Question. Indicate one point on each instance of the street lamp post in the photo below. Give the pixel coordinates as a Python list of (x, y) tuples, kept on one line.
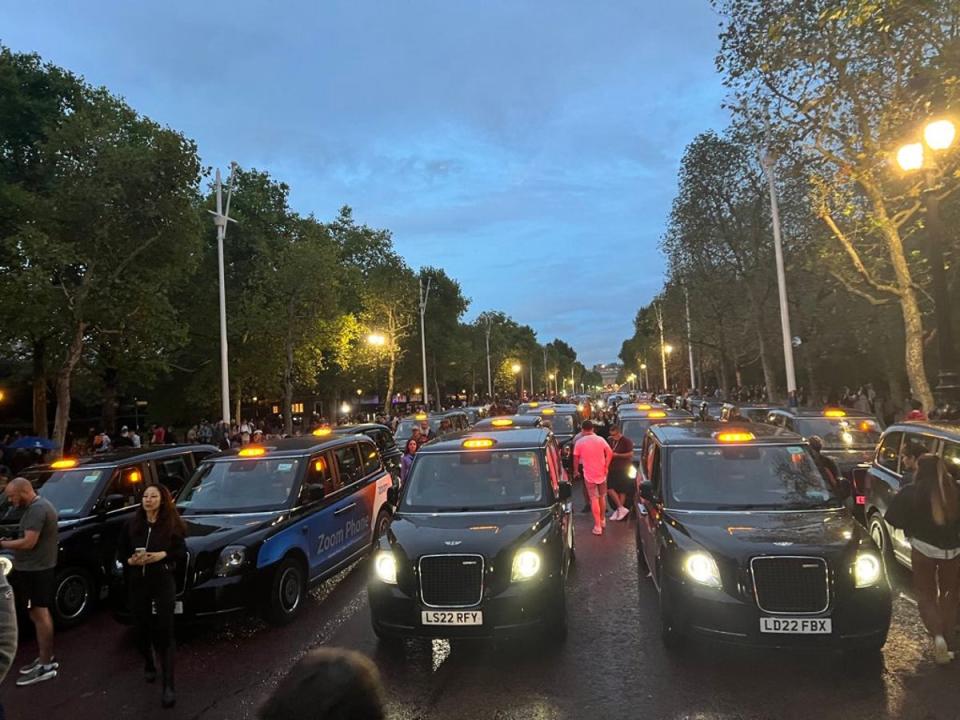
[(553, 378), (693, 377), (939, 136), (768, 161), (489, 374), (424, 296), (646, 378), (220, 219), (516, 368), (665, 351)]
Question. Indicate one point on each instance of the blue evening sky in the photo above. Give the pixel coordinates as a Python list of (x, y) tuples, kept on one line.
[(529, 148)]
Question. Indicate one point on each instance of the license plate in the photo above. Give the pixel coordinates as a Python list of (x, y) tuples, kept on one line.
[(796, 626), (178, 607), (451, 617)]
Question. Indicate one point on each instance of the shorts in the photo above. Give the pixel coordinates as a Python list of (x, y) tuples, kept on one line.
[(620, 483), (596, 490), (34, 588)]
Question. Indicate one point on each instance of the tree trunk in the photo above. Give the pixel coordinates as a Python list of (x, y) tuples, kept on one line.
[(813, 385), (910, 309), (64, 376), (40, 422), (391, 371), (108, 413), (236, 405), (769, 374)]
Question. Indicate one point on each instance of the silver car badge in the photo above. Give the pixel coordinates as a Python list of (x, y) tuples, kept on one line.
[(452, 543)]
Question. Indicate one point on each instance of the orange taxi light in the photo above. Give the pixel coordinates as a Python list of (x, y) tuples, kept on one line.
[(420, 416), (867, 426), (63, 464), (548, 411), (534, 404), (735, 436), (135, 476), (501, 422), (656, 414), (834, 413), (478, 443), (322, 432), (252, 452), (644, 406), (320, 465)]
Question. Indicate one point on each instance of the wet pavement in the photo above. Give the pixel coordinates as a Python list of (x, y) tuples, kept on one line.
[(611, 666)]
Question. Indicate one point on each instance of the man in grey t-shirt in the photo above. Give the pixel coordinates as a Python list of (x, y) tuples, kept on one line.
[(34, 576)]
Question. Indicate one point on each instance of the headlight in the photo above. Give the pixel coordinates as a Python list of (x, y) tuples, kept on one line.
[(632, 472), (231, 560), (702, 568), (526, 564), (867, 570), (385, 565)]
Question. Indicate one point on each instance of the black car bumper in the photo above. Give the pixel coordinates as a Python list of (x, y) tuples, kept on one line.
[(520, 609), (220, 596), (860, 618)]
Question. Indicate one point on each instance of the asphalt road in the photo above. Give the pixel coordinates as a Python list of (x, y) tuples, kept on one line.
[(611, 666)]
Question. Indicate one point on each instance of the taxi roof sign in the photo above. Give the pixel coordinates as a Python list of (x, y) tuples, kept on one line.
[(501, 422), (548, 411), (657, 414), (479, 443), (322, 431), (735, 436), (64, 464), (420, 416), (834, 413), (252, 452)]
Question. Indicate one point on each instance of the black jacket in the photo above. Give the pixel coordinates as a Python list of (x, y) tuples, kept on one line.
[(138, 534), (912, 513)]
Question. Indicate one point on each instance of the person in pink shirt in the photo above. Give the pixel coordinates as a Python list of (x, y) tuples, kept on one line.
[(593, 452)]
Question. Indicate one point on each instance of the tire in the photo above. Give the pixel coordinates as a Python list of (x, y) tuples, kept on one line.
[(380, 528), (75, 594), (286, 592), (880, 536)]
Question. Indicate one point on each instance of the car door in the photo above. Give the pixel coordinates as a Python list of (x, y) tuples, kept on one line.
[(648, 515), (353, 511), (317, 504), (558, 475), (117, 503)]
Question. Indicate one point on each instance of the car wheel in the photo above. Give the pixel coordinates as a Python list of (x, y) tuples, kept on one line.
[(573, 545), (380, 529), (74, 596), (880, 536), (288, 587)]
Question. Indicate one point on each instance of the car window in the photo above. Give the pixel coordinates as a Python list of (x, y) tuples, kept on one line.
[(655, 465), (199, 455), (244, 484), (888, 454), (553, 465), (378, 437), (371, 459), (349, 465), (173, 472), (927, 442), (951, 456), (128, 482), (69, 490), (319, 474)]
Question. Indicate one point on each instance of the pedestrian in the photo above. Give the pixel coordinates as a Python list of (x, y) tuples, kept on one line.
[(426, 431), (916, 411), (328, 684), (135, 438), (34, 564), (928, 512), (908, 461), (619, 479), (159, 435), (417, 436), (153, 543), (827, 466), (407, 460), (8, 624), (124, 440), (595, 455)]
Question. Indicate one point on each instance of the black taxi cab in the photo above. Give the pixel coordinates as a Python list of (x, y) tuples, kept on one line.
[(390, 452), (508, 422), (849, 438), (636, 419), (889, 471), (746, 542), (533, 406), (94, 497), (480, 543), (266, 521)]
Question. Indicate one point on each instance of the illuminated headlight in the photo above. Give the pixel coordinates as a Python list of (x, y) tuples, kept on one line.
[(702, 568), (867, 570), (385, 565), (632, 471), (231, 560), (526, 564)]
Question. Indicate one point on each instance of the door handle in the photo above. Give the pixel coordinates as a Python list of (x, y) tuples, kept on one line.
[(342, 510)]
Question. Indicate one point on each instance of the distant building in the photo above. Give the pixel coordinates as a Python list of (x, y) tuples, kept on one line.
[(609, 372)]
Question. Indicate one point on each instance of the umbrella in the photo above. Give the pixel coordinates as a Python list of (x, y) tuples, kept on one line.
[(32, 443)]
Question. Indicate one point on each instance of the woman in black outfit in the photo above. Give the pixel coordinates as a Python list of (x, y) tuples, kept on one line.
[(153, 543)]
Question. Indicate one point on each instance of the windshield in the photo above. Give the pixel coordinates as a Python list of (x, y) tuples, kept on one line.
[(240, 486), (842, 433), (561, 424), (636, 429), (405, 428), (474, 481), (745, 477), (70, 491)]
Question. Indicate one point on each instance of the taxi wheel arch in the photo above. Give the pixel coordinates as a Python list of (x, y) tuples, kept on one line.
[(380, 527), (286, 590), (75, 592)]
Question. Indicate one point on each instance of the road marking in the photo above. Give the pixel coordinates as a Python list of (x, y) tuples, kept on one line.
[(908, 599)]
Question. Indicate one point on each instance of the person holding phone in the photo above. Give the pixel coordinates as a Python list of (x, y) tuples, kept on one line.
[(151, 545)]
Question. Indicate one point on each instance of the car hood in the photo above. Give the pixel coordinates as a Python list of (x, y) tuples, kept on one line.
[(739, 536), (208, 531), (484, 534)]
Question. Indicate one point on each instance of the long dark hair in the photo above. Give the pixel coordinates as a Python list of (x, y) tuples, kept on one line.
[(168, 522), (937, 490)]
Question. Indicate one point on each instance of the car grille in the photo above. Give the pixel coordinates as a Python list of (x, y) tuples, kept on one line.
[(790, 584), (451, 580)]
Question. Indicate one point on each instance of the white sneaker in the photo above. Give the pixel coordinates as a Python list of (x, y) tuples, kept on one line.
[(941, 653), (622, 514)]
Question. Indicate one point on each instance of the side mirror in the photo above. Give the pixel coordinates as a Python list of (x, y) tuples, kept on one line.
[(393, 496), (646, 491), (112, 502), (566, 491)]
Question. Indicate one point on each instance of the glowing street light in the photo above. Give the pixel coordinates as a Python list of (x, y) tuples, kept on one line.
[(376, 339), (910, 157), (516, 368), (939, 134), (668, 349)]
